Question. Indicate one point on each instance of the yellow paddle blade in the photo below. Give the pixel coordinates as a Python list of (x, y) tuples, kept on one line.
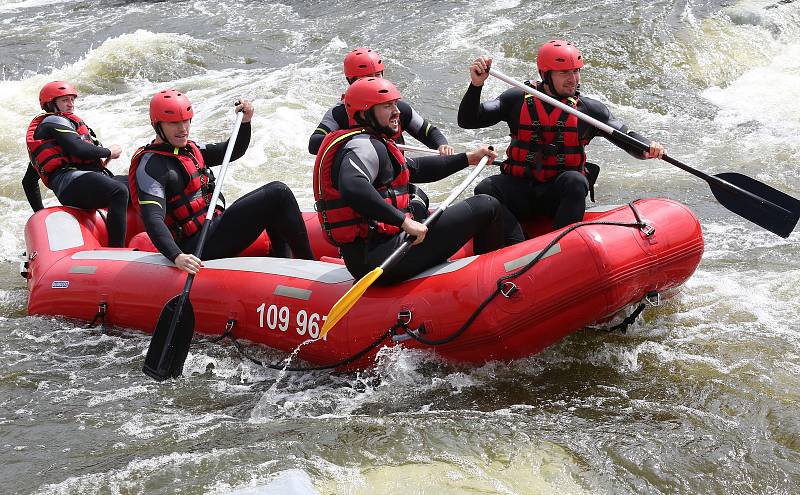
[(349, 298)]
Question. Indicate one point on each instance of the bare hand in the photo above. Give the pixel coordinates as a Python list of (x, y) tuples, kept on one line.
[(446, 150), (247, 108), (479, 70), (116, 150), (189, 263), (656, 150), (474, 156), (414, 229)]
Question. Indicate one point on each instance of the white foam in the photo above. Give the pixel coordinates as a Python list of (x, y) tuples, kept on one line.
[(12, 5)]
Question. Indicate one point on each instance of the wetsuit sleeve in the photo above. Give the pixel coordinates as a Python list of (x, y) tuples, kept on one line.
[(30, 184), (422, 130), (333, 120), (355, 184), (601, 112), (213, 154), (152, 179), (433, 168), (71, 142), (472, 114)]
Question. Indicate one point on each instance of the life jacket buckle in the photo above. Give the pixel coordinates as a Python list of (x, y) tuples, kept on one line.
[(508, 289)]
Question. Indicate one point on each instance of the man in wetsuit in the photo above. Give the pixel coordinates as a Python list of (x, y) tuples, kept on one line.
[(361, 185), (172, 186), (545, 169), (364, 62), (67, 157)]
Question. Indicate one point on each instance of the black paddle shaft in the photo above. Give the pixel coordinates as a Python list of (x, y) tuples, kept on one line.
[(175, 328), (401, 251), (747, 197), (172, 337)]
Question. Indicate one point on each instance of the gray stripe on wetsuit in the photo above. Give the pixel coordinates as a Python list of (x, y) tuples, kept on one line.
[(365, 150), (147, 184)]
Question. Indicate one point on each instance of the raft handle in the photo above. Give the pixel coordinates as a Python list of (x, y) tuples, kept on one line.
[(653, 298), (403, 319), (508, 289)]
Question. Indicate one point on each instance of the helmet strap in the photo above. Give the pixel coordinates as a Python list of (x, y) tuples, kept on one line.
[(160, 132), (369, 121), (547, 79)]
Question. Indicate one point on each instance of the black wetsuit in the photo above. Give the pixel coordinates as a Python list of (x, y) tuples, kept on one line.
[(364, 162), (271, 207), (563, 198), (410, 122), (86, 187)]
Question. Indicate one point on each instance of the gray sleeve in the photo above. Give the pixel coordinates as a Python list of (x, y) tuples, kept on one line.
[(329, 121), (415, 123), (58, 120)]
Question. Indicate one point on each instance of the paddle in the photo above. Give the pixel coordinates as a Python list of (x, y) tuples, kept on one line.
[(350, 297), (169, 345), (418, 149), (750, 199)]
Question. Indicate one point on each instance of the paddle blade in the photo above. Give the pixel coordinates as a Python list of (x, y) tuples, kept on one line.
[(349, 298), (169, 345), (755, 201)]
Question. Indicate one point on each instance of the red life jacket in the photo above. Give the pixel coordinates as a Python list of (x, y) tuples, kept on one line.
[(186, 211), (545, 144), (47, 155), (342, 224)]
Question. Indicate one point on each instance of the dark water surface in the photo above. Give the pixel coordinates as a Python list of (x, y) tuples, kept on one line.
[(700, 396)]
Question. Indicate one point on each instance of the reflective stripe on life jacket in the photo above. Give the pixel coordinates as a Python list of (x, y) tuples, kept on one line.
[(47, 155), (545, 144), (342, 224), (186, 211)]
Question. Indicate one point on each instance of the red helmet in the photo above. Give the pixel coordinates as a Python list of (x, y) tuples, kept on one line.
[(558, 55), (170, 105), (362, 62), (53, 90), (368, 92)]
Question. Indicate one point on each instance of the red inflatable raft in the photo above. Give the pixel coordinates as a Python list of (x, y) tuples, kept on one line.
[(507, 304)]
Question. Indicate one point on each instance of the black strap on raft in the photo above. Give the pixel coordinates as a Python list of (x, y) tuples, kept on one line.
[(231, 323), (507, 288), (628, 321), (102, 310), (504, 286)]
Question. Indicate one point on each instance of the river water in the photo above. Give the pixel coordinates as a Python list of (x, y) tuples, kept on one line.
[(701, 395)]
